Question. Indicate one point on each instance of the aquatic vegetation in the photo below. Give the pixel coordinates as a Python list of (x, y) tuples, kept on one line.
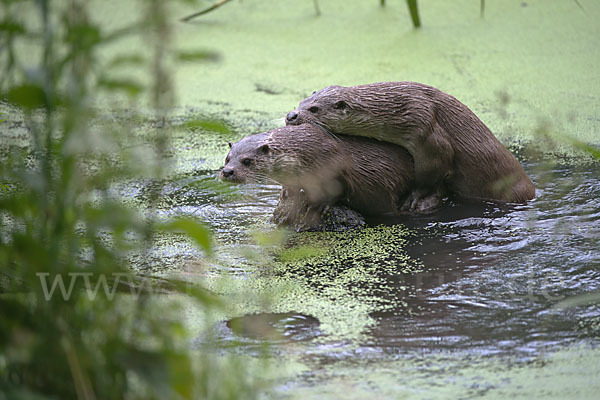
[(414, 12), (412, 7), (339, 278), (219, 3), (466, 310), (76, 322)]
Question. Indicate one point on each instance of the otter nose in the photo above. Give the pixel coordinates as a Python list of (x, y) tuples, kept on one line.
[(227, 172), (292, 116)]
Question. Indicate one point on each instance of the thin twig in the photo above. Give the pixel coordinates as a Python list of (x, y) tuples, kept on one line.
[(205, 11)]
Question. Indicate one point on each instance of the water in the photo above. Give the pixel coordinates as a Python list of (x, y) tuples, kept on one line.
[(492, 278), (405, 313), (471, 281)]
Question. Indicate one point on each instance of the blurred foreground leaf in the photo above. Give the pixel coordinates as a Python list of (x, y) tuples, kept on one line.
[(27, 96), (11, 27), (75, 320), (123, 32), (208, 125), (553, 135), (130, 87), (579, 300), (128, 59), (588, 148), (195, 230), (151, 366), (199, 55), (181, 375), (83, 36)]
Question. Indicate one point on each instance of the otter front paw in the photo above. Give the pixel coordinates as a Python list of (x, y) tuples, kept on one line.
[(410, 204), (421, 202), (429, 203)]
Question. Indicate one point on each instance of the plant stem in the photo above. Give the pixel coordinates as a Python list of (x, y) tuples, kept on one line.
[(414, 12)]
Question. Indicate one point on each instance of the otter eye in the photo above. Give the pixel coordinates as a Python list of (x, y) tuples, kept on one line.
[(246, 161), (313, 109), (340, 105), (227, 159)]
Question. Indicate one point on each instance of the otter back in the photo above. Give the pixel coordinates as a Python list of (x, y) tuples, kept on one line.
[(450, 146)]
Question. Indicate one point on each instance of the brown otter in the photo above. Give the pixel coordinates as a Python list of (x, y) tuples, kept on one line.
[(365, 175), (447, 141)]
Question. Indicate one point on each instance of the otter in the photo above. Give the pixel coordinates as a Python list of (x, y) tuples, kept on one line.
[(368, 176), (450, 146)]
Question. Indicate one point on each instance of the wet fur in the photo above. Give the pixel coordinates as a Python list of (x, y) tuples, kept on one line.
[(449, 144), (366, 175)]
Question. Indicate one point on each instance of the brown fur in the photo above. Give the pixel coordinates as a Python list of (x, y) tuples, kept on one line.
[(368, 176), (447, 141)]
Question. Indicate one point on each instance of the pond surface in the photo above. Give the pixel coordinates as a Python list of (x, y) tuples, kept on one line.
[(472, 288), (461, 303)]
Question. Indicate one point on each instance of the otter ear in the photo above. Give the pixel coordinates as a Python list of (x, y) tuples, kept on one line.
[(341, 105), (230, 144), (264, 148), (314, 91)]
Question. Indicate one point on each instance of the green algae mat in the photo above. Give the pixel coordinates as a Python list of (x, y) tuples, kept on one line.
[(525, 66)]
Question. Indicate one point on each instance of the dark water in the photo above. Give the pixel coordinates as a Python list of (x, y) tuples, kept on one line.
[(491, 278), (494, 275)]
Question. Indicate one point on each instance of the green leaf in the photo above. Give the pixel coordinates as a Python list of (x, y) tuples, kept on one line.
[(208, 125), (123, 32), (198, 55), (83, 36), (195, 290), (133, 59), (27, 96), (150, 366), (588, 148), (11, 27), (130, 87), (181, 374), (195, 230)]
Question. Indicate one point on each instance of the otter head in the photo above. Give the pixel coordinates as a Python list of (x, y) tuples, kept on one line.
[(248, 160), (331, 108)]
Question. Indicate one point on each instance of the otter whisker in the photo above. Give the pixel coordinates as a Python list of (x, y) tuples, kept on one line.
[(271, 181), (327, 131), (265, 179)]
